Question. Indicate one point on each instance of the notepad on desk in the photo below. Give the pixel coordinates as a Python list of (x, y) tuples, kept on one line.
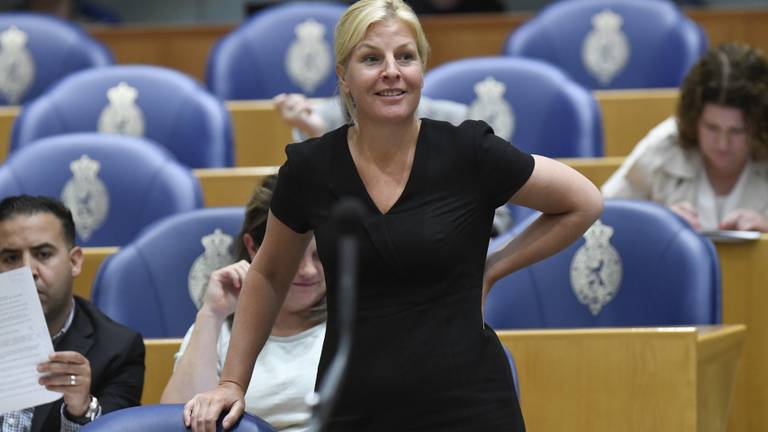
[(731, 236)]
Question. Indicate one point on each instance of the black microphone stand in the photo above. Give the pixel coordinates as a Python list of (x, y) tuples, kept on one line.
[(348, 215)]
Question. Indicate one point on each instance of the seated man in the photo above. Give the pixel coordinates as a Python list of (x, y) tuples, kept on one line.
[(98, 365)]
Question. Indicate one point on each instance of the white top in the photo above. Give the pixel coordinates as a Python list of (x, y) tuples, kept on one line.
[(659, 169), (283, 376)]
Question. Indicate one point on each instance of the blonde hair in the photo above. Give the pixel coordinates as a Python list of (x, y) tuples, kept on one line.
[(352, 26)]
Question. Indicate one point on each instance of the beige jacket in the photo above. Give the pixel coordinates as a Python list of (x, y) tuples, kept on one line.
[(659, 169)]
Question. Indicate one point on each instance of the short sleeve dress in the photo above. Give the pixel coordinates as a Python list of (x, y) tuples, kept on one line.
[(422, 359)]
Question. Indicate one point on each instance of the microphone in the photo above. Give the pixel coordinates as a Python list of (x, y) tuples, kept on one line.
[(347, 217)]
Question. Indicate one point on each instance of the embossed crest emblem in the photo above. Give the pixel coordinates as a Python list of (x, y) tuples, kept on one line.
[(605, 51), (86, 196), (215, 256), (309, 60), (596, 269), (17, 69), (122, 116), (491, 107)]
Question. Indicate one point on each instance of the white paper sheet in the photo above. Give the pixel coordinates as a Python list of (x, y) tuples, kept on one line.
[(24, 343)]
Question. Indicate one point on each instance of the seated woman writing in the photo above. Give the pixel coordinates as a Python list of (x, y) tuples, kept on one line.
[(708, 164)]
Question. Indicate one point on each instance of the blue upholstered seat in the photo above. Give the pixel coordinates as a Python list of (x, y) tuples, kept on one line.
[(283, 48), (163, 418), (612, 44), (114, 185), (528, 102), (37, 50), (161, 104), (147, 285), (641, 265)]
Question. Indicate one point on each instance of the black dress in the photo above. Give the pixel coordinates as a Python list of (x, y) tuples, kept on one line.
[(422, 358)]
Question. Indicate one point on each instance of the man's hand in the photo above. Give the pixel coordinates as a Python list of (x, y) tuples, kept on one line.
[(68, 372)]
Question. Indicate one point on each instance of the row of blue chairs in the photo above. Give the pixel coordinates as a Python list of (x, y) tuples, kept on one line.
[(288, 48), (532, 103), (640, 265)]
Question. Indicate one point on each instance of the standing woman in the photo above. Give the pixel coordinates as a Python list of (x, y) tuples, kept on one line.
[(422, 358)]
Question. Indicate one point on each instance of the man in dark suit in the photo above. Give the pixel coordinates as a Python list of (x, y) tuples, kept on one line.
[(98, 365)]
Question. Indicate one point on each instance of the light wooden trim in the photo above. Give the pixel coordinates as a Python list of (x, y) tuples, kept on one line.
[(597, 170), (93, 257), (628, 115), (224, 187), (159, 367)]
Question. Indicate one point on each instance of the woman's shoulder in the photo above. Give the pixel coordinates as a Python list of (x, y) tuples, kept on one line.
[(661, 149), (313, 149), (467, 131)]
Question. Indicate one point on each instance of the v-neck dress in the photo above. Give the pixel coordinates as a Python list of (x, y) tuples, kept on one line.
[(422, 358)]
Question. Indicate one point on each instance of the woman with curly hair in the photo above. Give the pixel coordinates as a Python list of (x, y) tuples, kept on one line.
[(709, 164)]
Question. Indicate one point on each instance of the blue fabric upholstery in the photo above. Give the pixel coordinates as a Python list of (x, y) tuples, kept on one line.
[(143, 181), (662, 42), (553, 116), (670, 276), (163, 418), (177, 112), (145, 285), (252, 61), (56, 48)]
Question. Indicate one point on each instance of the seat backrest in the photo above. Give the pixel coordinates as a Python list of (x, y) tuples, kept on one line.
[(163, 418), (149, 285), (613, 44), (284, 48), (36, 50), (528, 102), (639, 265), (161, 104), (114, 185)]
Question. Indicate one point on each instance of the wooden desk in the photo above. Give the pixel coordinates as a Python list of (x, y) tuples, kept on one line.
[(744, 271), (632, 379), (225, 187), (159, 367)]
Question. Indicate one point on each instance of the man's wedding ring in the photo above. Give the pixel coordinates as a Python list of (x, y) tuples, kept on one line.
[(72, 380)]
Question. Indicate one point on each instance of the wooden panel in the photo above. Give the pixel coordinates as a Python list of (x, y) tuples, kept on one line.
[(451, 37), (224, 187), (260, 134), (159, 367), (8, 115), (184, 48), (628, 115), (597, 170), (454, 36), (745, 300), (634, 379), (719, 357), (93, 257)]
